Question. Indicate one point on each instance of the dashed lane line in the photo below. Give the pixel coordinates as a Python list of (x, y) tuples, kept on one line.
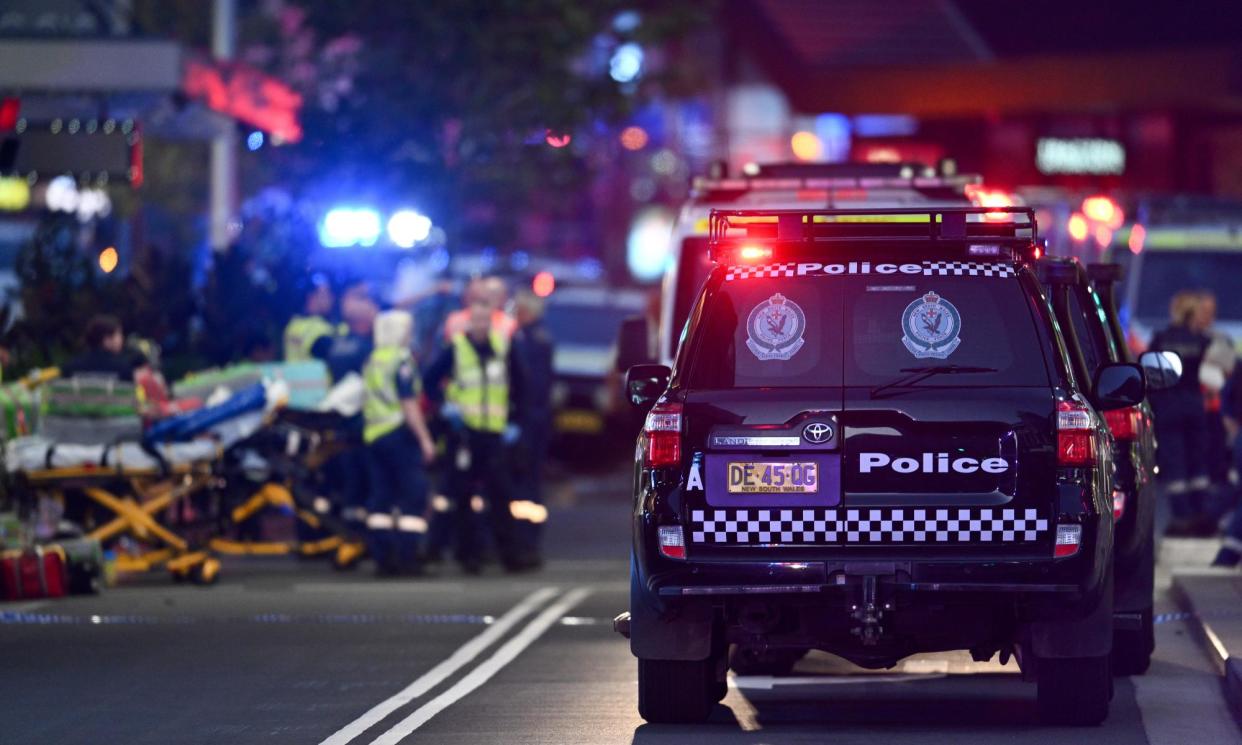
[(436, 675), (485, 670)]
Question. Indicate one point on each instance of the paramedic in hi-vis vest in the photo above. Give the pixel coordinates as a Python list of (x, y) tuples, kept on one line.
[(398, 449), (484, 383), (304, 330)]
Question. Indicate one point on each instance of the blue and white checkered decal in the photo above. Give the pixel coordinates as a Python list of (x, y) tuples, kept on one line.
[(925, 268), (869, 526)]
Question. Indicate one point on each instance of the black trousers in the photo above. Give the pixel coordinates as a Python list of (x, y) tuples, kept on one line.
[(485, 474)]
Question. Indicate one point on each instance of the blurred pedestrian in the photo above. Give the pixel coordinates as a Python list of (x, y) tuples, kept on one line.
[(484, 386), (398, 449), (312, 324), (1218, 363), (533, 347), (1230, 553), (1181, 421), (105, 353)]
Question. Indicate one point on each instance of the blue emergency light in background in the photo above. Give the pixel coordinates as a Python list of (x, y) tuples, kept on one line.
[(350, 226)]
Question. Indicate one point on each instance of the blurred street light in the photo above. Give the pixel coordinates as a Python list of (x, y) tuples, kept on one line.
[(108, 259), (557, 140), (634, 138), (543, 284), (806, 146), (626, 63)]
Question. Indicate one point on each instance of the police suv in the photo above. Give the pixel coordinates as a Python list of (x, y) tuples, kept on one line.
[(872, 442)]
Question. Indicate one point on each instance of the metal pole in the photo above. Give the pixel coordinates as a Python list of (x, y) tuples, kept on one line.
[(223, 221)]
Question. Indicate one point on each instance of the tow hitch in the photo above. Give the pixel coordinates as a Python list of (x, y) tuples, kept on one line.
[(621, 624), (868, 613)]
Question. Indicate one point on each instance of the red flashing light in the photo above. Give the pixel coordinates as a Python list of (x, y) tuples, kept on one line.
[(10, 108), (1103, 210), (982, 196), (543, 284), (663, 433), (1037, 252), (1138, 234), (1077, 227), (1076, 441), (754, 254)]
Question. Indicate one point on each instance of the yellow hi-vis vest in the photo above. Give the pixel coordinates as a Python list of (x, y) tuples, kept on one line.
[(481, 391), (302, 332), (381, 410)]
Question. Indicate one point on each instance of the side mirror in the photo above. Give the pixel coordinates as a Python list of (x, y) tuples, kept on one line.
[(1118, 386), (633, 344), (644, 384), (1163, 369)]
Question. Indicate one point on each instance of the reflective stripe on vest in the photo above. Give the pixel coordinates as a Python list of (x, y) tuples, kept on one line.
[(381, 410), (301, 334), (481, 391)]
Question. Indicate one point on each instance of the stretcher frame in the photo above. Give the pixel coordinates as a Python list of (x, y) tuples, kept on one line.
[(136, 510)]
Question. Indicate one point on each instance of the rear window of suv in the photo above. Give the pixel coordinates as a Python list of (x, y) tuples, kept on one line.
[(864, 329)]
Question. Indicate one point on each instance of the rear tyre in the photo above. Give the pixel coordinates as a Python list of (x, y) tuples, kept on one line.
[(676, 691), (1132, 648), (1074, 691), (752, 661)]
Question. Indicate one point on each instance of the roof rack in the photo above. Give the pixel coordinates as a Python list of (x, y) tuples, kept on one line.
[(803, 229)]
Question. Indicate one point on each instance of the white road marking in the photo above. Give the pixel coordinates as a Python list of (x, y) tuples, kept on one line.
[(436, 675), (481, 674)]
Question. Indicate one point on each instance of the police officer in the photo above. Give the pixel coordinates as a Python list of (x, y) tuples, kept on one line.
[(398, 449), (533, 346), (485, 384), (304, 330), (347, 354), (1181, 421)]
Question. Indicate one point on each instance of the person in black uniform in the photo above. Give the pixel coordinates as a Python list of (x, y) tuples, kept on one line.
[(106, 353), (1181, 422), (345, 354), (533, 346)]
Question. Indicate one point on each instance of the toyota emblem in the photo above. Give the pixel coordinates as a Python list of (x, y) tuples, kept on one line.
[(817, 432)]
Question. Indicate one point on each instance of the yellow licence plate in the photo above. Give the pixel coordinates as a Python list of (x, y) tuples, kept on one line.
[(748, 477), (579, 421)]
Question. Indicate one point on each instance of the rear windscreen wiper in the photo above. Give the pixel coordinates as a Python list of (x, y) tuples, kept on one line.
[(917, 374)]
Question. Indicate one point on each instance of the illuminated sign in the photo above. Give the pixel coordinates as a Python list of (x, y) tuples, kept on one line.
[(1079, 155), (246, 95)]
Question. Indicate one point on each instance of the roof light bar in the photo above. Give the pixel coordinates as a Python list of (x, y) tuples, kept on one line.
[(733, 233)]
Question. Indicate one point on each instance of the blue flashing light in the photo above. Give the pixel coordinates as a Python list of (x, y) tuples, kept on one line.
[(254, 140), (349, 226), (407, 227)]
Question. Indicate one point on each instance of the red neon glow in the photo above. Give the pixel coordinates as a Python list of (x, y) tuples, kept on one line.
[(557, 140), (246, 95), (543, 284), (1077, 227), (1138, 234)]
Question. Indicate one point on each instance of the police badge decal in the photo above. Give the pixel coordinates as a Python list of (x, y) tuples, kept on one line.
[(774, 328), (931, 326)]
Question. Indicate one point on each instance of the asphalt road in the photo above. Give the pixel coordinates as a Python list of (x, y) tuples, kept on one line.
[(291, 652)]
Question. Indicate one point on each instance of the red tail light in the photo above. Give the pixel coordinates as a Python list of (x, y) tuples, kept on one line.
[(663, 433), (1124, 423), (1076, 443), (1069, 538), (672, 541)]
